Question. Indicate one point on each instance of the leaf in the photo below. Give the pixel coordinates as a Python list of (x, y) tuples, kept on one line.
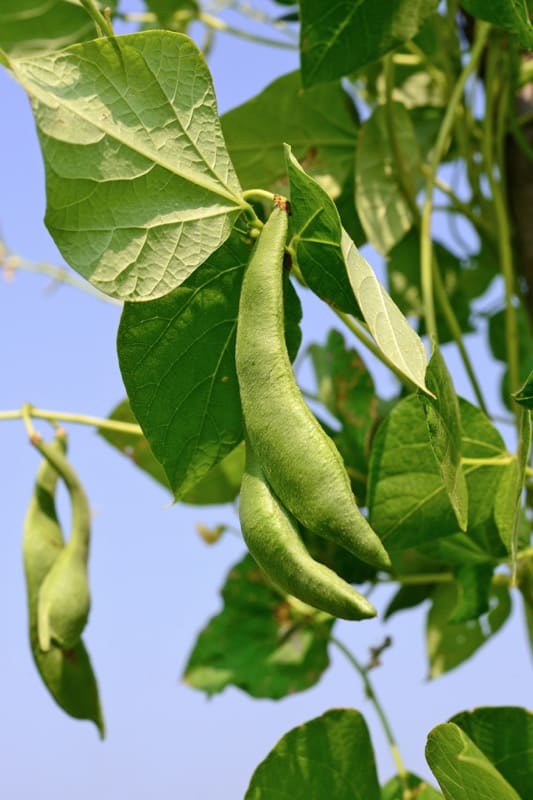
[(284, 112), (497, 328), (382, 205), (329, 756), (31, 26), (346, 389), (134, 447), (315, 239), (394, 789), (524, 395), (444, 426), (505, 736), (222, 483), (67, 674), (458, 279), (509, 14), (407, 498), (177, 357), (394, 336), (408, 596), (461, 768), (508, 497), (345, 36), (474, 582), (176, 15), (525, 584), (140, 188), (449, 644), (258, 642)]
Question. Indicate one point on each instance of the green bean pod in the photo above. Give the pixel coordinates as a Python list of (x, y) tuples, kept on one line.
[(271, 535), (64, 598), (68, 675), (300, 462)]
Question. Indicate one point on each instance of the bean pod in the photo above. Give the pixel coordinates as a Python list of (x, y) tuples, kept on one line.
[(299, 460), (272, 537)]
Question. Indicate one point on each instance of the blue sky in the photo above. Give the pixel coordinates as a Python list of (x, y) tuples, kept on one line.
[(154, 582)]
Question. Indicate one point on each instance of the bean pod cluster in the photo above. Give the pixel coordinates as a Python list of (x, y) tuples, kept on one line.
[(294, 474)]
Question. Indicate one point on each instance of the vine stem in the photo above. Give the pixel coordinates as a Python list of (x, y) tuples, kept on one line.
[(258, 194), (29, 412), (102, 23), (426, 254), (371, 695), (219, 25)]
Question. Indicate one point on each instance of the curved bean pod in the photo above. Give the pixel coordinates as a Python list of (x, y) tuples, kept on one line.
[(299, 460), (272, 537), (64, 598)]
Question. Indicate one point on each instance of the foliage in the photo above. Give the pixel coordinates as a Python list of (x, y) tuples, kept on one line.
[(158, 202)]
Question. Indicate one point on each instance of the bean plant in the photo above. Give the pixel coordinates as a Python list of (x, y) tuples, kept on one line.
[(399, 112)]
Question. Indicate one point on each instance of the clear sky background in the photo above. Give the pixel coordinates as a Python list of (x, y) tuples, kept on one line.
[(154, 582)]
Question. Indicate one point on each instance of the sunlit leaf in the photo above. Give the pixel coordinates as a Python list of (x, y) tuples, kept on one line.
[(140, 187), (330, 756)]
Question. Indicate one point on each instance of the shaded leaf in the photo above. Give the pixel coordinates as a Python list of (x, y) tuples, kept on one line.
[(284, 112), (175, 15), (407, 499), (31, 26), (346, 389), (315, 239), (473, 583), (444, 426), (497, 328), (449, 644), (391, 331), (345, 203), (258, 641), (140, 187), (461, 768), (339, 39), (380, 198), (408, 596), (394, 789), (177, 357), (222, 483), (329, 756), (504, 735), (525, 584), (508, 499), (134, 447), (509, 14), (67, 674)]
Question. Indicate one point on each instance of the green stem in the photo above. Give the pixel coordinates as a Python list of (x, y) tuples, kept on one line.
[(371, 695), (258, 194), (455, 329), (426, 255), (29, 412), (498, 112), (101, 22), (496, 461), (220, 25)]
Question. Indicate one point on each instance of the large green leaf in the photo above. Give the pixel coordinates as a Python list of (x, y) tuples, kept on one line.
[(380, 198), (258, 642), (512, 15), (449, 643), (328, 757), (505, 736), (315, 230), (474, 585), (31, 26), (177, 357), (444, 427), (462, 769), (140, 187), (219, 485), (339, 38), (283, 112), (397, 340), (408, 501), (346, 389), (394, 789)]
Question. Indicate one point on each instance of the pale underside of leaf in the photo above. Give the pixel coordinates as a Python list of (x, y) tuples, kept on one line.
[(140, 187)]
